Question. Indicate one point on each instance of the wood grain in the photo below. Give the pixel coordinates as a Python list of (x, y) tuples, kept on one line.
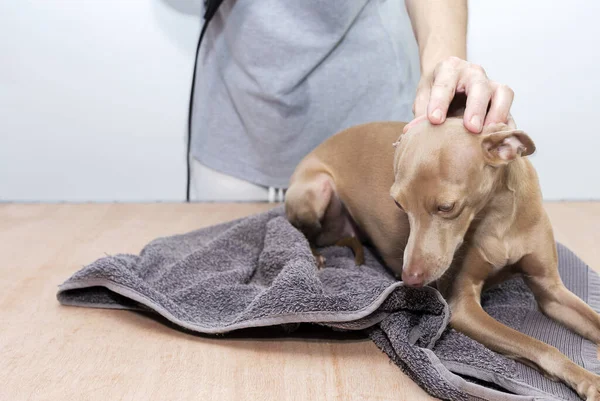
[(52, 352)]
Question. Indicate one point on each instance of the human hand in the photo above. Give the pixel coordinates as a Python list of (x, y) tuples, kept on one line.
[(454, 75)]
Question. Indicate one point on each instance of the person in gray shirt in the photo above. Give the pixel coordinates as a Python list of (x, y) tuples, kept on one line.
[(276, 78)]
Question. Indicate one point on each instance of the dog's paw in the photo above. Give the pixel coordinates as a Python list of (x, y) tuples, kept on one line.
[(320, 261), (589, 387)]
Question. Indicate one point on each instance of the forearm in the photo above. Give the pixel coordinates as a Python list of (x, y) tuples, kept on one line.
[(440, 27)]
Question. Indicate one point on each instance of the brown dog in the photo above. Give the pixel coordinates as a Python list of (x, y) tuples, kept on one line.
[(447, 187)]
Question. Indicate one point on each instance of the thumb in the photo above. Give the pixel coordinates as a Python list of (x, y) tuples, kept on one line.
[(420, 104), (511, 122), (422, 100)]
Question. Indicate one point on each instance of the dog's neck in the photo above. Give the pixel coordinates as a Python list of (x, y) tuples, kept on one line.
[(513, 203), (520, 179), (516, 182)]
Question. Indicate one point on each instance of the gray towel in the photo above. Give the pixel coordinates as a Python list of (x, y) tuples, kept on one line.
[(258, 271)]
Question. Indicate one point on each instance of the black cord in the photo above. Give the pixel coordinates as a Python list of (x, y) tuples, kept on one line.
[(210, 9), (190, 107)]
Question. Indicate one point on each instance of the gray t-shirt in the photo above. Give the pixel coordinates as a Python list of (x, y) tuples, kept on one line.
[(275, 78)]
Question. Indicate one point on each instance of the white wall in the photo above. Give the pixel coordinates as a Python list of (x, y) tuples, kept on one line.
[(549, 53), (94, 97), (93, 93)]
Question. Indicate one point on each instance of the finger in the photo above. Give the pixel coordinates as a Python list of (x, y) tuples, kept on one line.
[(442, 92), (502, 100), (479, 93), (414, 122)]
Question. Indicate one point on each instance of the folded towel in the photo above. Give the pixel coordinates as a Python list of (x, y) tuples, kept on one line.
[(259, 271)]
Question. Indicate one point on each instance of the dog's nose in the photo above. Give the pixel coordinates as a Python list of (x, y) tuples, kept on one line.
[(413, 278)]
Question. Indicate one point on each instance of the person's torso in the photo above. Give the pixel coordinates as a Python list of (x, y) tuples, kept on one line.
[(276, 78)]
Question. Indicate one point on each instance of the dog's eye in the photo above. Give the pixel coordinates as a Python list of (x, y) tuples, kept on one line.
[(399, 205), (446, 207)]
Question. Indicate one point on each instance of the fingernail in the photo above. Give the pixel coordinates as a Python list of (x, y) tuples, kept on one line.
[(437, 115), (476, 122)]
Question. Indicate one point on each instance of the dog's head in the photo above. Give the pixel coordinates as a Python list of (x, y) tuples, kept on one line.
[(444, 176)]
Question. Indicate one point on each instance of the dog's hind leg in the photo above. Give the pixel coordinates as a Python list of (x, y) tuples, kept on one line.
[(313, 207), (306, 203), (356, 246)]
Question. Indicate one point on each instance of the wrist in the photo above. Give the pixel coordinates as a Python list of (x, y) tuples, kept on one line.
[(434, 53)]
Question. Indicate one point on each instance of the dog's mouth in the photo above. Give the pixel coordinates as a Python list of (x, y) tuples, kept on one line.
[(446, 272)]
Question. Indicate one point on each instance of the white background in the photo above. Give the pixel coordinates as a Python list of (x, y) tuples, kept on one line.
[(93, 93)]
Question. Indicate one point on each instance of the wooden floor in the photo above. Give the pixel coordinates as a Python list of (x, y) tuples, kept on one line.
[(52, 352)]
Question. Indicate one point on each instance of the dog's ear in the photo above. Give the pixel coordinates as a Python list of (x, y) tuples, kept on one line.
[(502, 147)]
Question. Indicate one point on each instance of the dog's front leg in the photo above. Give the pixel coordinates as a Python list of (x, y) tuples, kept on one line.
[(540, 270), (469, 318)]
